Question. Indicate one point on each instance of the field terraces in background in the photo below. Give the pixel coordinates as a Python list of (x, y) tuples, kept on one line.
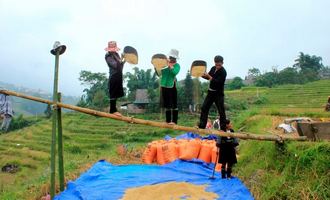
[(312, 95), (27, 107)]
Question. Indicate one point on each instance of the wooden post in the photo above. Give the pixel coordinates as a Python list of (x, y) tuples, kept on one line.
[(60, 145), (53, 143), (241, 135), (57, 50)]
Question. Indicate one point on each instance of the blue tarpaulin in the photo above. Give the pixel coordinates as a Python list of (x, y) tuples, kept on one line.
[(190, 135), (107, 181)]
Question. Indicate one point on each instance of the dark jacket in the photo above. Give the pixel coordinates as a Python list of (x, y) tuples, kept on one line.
[(218, 79), (227, 149), (115, 65)]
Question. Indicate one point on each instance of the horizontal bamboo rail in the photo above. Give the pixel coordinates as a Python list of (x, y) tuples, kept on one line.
[(241, 135)]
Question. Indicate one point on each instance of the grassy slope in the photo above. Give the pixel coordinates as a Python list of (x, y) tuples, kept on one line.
[(86, 140), (298, 170), (300, 173), (301, 170), (311, 95)]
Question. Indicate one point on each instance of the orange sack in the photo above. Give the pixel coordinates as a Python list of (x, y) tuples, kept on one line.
[(215, 156), (170, 151), (160, 153), (150, 152), (190, 149), (205, 153)]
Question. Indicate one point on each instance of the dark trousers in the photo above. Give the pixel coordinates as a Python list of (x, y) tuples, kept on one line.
[(170, 103), (226, 172), (213, 97)]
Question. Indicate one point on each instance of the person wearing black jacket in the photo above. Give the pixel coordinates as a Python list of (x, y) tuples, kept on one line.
[(227, 152), (215, 94), (115, 64)]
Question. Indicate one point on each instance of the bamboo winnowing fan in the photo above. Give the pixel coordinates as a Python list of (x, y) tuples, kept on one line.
[(159, 61), (198, 68), (131, 55)]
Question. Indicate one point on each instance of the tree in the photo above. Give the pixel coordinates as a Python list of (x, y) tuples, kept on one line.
[(140, 79), (268, 79), (236, 83), (97, 89), (48, 112), (308, 67), (325, 72), (254, 73), (197, 94), (188, 91), (288, 75)]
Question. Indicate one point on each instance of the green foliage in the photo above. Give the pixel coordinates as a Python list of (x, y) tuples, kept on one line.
[(308, 66), (260, 100), (268, 79), (235, 104), (73, 149), (296, 170), (140, 79), (96, 91), (48, 112), (306, 69), (236, 83), (289, 75), (187, 91), (254, 72), (19, 123)]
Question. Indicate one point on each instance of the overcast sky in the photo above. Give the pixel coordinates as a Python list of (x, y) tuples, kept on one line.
[(247, 33)]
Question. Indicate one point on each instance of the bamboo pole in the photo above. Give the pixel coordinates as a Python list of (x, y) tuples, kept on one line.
[(241, 135), (54, 126), (60, 145)]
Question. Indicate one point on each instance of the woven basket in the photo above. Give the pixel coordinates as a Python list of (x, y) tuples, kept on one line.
[(131, 55), (198, 68), (159, 61)]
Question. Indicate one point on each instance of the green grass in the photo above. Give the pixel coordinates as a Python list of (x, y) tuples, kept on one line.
[(296, 170), (310, 95), (300, 171), (86, 140)]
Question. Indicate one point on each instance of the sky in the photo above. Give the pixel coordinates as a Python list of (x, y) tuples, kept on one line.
[(247, 33)]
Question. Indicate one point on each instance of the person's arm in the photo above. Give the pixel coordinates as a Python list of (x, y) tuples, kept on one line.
[(175, 69), (207, 76), (111, 62), (220, 78)]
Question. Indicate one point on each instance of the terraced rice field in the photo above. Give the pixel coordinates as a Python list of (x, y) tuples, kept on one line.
[(311, 95), (86, 140)]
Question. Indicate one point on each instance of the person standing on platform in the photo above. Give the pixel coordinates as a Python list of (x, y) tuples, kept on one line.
[(115, 64), (168, 87)]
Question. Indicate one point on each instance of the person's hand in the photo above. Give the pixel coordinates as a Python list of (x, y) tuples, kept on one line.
[(170, 65), (206, 76), (123, 58)]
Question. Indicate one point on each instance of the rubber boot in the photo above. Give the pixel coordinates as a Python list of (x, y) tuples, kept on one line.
[(223, 171), (229, 173), (113, 108), (168, 116), (175, 114)]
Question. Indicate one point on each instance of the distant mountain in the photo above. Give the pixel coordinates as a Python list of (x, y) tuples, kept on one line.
[(28, 107)]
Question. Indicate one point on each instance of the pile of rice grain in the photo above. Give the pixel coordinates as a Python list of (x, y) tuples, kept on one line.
[(170, 190)]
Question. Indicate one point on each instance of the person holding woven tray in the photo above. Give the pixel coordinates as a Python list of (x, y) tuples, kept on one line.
[(215, 94), (115, 64), (168, 87), (227, 152)]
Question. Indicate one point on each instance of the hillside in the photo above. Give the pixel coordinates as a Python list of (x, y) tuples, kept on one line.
[(299, 170), (310, 95), (87, 139), (27, 107)]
